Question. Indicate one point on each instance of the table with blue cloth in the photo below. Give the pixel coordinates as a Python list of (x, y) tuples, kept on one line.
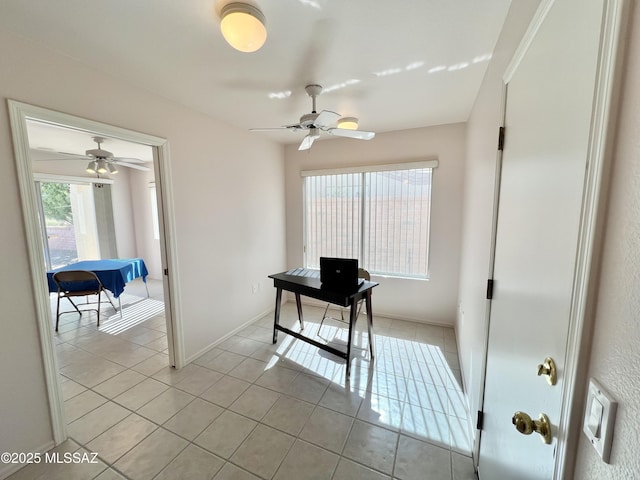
[(113, 273)]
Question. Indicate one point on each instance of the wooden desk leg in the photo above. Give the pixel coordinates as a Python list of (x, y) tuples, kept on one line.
[(372, 340), (299, 306), (352, 324), (276, 316)]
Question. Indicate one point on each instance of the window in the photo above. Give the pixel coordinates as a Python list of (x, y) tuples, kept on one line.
[(379, 215), (76, 218), (69, 222)]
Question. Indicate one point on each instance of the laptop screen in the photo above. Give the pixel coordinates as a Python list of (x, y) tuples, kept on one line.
[(339, 273)]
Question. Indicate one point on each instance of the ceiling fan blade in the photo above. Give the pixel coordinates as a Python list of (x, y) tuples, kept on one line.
[(126, 159), (65, 153), (326, 118), (74, 157), (39, 153), (294, 127), (268, 129), (131, 165), (358, 134), (307, 142)]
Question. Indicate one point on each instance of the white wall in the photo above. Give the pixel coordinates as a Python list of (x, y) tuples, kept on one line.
[(479, 169), (615, 356), (433, 300), (229, 207), (147, 247)]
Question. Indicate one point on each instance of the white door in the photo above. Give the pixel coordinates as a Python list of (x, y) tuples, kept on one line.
[(548, 136)]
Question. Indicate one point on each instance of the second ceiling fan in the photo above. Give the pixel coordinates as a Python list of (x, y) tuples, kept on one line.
[(315, 122), (103, 162)]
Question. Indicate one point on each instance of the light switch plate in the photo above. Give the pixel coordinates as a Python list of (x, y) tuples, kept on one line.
[(599, 418)]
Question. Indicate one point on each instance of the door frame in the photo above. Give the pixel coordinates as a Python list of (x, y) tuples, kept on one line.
[(18, 114), (583, 302)]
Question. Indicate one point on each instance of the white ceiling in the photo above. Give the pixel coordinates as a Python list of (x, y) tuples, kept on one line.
[(393, 64)]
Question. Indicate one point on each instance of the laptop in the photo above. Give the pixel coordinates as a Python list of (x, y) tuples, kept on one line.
[(339, 274)]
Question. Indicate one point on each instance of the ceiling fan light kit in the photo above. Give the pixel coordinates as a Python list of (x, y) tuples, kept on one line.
[(243, 26), (102, 167), (349, 123), (315, 122)]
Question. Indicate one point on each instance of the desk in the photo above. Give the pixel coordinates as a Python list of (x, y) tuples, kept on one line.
[(113, 273), (302, 281)]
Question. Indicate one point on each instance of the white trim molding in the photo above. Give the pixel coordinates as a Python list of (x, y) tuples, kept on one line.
[(52, 177), (591, 231), (18, 116)]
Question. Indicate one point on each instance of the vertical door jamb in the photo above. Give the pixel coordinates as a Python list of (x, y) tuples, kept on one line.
[(492, 254)]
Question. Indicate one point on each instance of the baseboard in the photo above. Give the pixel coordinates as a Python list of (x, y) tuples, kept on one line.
[(9, 469), (310, 302), (316, 303), (471, 416), (228, 335)]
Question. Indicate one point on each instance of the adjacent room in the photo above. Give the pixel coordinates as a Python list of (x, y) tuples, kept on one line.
[(367, 241), (91, 214)]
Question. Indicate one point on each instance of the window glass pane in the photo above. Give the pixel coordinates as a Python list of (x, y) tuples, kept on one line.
[(379, 217), (332, 217), (70, 222), (396, 220), (58, 220)]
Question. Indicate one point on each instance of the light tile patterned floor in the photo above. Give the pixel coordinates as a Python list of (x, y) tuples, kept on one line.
[(249, 409)]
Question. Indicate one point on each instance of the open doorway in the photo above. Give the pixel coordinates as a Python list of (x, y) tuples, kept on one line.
[(79, 207)]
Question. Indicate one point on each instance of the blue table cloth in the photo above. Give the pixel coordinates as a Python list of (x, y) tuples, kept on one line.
[(113, 273)]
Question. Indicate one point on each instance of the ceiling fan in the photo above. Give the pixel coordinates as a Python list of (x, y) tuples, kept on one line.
[(103, 162), (315, 122)]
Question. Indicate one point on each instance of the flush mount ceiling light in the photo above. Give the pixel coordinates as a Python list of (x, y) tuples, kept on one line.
[(348, 123), (242, 26)]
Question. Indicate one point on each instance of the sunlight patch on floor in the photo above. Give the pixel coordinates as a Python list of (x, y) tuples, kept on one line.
[(133, 313)]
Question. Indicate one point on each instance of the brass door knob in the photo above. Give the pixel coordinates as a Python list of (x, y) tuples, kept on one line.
[(548, 368), (525, 425)]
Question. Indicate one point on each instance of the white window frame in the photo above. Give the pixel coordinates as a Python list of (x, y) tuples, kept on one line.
[(410, 165)]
